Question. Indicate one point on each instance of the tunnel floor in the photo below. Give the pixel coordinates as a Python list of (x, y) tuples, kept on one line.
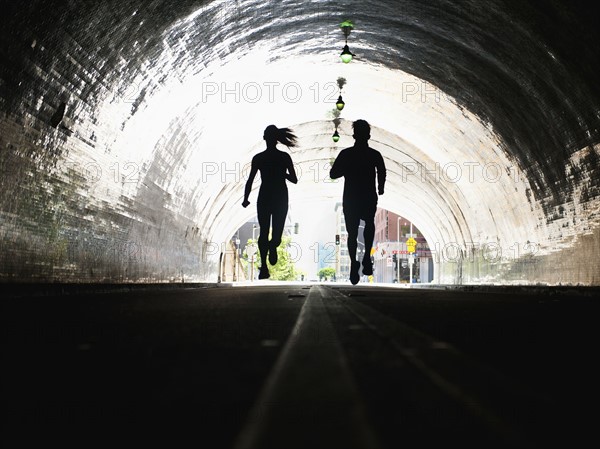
[(300, 366)]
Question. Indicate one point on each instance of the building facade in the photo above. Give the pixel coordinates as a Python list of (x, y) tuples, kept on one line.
[(391, 255), (342, 259)]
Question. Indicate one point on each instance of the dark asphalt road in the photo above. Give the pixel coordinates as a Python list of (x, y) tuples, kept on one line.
[(295, 366)]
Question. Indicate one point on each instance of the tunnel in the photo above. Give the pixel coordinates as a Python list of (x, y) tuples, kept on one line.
[(127, 129)]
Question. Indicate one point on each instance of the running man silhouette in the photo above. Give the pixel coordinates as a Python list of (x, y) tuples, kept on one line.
[(272, 205), (358, 165)]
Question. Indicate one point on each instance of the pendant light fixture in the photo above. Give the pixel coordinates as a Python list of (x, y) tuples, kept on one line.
[(346, 55)]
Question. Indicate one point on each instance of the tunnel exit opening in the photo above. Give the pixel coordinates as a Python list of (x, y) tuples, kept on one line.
[(323, 254)]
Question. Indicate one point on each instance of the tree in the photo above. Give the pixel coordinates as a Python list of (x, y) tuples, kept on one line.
[(326, 273), (284, 269)]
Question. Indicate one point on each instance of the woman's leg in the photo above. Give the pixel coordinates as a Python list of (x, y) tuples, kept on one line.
[(264, 221), (279, 215)]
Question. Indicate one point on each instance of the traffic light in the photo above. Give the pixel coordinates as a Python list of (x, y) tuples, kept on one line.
[(337, 239), (296, 226)]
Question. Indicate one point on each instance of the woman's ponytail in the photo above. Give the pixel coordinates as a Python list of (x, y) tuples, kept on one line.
[(286, 137), (283, 135)]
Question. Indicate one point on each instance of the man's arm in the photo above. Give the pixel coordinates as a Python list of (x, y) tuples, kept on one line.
[(249, 183), (381, 174), (337, 169)]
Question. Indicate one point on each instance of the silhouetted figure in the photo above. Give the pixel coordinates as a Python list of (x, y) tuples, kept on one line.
[(358, 165), (275, 167)]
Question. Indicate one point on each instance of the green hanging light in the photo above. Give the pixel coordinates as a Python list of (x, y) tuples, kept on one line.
[(335, 136), (339, 104), (346, 54)]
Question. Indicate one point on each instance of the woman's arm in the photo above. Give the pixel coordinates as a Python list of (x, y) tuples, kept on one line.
[(290, 174), (249, 183)]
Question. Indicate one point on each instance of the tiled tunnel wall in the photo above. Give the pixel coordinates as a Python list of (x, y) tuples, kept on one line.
[(73, 210), (65, 212)]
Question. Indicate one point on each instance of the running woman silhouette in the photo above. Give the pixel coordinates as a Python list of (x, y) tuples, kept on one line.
[(358, 165), (272, 205)]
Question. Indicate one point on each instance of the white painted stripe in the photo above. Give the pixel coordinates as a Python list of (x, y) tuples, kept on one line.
[(312, 384)]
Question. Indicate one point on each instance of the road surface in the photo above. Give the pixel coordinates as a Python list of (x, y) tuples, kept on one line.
[(301, 365)]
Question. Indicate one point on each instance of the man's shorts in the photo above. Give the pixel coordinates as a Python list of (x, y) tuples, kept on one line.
[(363, 212)]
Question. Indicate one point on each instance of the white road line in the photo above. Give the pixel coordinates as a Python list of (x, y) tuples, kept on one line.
[(310, 397)]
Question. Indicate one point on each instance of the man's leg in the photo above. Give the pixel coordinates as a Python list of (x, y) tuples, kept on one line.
[(352, 222), (369, 235)]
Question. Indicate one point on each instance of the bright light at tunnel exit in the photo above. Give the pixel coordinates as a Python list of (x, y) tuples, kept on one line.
[(222, 112)]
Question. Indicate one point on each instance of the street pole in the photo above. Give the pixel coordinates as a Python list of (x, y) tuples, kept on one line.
[(236, 259), (252, 263), (338, 260), (412, 259), (359, 252), (398, 251)]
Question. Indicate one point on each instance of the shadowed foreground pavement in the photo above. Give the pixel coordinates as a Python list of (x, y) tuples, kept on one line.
[(301, 366)]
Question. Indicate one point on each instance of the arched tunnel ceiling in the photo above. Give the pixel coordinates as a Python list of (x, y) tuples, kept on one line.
[(474, 86)]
